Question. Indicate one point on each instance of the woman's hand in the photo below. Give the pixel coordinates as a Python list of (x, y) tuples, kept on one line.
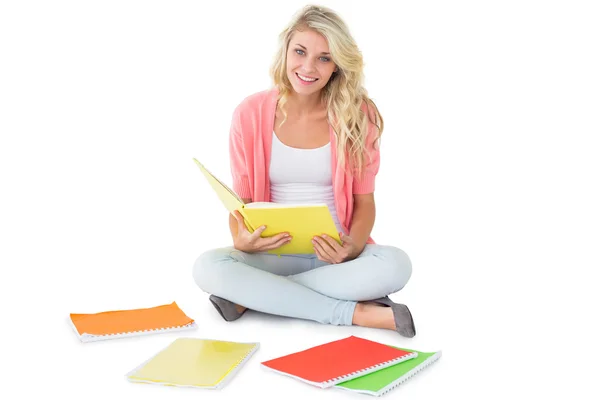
[(329, 250), (253, 242)]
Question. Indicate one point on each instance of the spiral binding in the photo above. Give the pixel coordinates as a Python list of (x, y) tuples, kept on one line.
[(412, 373), (238, 366), (87, 337), (430, 360), (365, 371)]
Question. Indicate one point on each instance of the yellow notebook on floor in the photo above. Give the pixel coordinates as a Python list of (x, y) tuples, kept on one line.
[(193, 362), (302, 221)]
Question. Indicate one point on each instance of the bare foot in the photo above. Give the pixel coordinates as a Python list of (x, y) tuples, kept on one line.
[(373, 316)]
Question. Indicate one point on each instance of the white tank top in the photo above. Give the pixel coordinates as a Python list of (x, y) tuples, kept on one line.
[(302, 176)]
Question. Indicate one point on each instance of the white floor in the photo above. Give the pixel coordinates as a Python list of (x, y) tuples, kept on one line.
[(99, 367)]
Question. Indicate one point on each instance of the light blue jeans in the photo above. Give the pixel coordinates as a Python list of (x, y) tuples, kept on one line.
[(302, 286)]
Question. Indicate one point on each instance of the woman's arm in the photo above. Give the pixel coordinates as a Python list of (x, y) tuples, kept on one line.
[(363, 188), (363, 219)]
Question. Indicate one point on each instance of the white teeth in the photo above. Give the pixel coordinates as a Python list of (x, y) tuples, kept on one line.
[(305, 79)]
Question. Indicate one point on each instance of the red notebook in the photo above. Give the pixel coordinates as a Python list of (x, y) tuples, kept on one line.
[(338, 361)]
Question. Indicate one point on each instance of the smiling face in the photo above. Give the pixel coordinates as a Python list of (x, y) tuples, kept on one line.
[(309, 64)]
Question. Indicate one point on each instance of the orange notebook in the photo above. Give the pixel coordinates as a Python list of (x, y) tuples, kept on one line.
[(338, 361), (135, 322)]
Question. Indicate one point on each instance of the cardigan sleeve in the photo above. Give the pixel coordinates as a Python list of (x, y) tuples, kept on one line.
[(237, 157), (366, 182)]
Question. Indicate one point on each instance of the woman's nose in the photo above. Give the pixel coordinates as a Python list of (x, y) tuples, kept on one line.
[(309, 65)]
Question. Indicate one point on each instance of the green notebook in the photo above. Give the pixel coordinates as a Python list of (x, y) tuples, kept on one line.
[(384, 380)]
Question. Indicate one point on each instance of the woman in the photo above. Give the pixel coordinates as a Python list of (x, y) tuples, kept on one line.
[(313, 138)]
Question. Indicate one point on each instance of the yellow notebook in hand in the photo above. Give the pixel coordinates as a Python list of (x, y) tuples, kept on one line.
[(193, 362), (302, 221)]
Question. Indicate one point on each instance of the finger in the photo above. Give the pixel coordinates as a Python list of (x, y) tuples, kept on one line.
[(274, 238), (236, 214), (332, 242), (257, 232), (324, 248), (324, 257), (318, 253), (264, 242), (240, 220), (277, 244)]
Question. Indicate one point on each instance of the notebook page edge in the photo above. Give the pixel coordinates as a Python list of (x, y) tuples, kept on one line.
[(87, 337), (296, 377), (366, 371), (428, 361), (418, 368), (226, 187), (229, 376)]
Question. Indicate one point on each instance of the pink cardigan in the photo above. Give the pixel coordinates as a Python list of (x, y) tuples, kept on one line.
[(250, 150)]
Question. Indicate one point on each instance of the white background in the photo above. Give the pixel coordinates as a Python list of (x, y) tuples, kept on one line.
[(489, 181)]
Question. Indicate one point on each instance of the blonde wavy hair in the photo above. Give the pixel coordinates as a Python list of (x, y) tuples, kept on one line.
[(344, 94)]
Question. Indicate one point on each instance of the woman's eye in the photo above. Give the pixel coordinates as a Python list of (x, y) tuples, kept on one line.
[(325, 59), (299, 51)]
